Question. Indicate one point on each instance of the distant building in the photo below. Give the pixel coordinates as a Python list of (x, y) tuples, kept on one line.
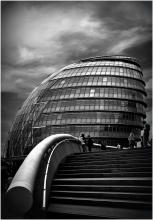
[(100, 96)]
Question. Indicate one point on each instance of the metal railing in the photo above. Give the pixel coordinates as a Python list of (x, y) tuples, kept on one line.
[(58, 153)]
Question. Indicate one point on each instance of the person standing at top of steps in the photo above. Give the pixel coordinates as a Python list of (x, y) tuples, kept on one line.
[(83, 142), (118, 146), (102, 145), (89, 143), (131, 140), (146, 135), (142, 134)]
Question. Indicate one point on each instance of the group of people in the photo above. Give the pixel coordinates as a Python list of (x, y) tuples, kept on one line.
[(86, 143), (144, 139), (134, 139)]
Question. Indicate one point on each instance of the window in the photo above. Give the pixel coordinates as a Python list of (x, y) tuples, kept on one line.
[(92, 92), (104, 79)]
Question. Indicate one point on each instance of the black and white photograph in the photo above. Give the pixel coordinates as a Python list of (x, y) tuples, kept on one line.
[(76, 109)]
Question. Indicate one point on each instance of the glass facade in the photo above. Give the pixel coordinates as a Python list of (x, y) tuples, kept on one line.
[(100, 96)]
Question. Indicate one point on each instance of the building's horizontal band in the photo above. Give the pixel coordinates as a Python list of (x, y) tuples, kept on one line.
[(76, 122), (100, 70), (92, 110), (52, 107), (97, 98), (68, 98), (45, 119), (95, 105), (82, 127), (103, 78), (88, 121), (96, 92), (92, 134), (102, 88), (116, 58), (98, 122), (99, 81), (89, 118), (105, 63), (82, 92)]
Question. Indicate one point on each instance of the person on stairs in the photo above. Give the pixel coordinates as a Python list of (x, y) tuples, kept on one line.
[(131, 140), (102, 145), (89, 143), (146, 135), (83, 142)]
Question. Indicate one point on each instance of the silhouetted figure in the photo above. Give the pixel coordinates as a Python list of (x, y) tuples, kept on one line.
[(131, 140), (146, 135), (83, 142), (142, 134), (118, 146), (102, 146), (89, 143), (150, 143)]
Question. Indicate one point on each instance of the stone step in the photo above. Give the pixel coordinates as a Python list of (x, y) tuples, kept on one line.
[(104, 170), (123, 181), (101, 162), (133, 204), (103, 188), (111, 153), (85, 212), (105, 156), (102, 195), (108, 159), (102, 174), (96, 166)]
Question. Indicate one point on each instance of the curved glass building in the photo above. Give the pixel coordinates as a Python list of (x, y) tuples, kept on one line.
[(100, 96)]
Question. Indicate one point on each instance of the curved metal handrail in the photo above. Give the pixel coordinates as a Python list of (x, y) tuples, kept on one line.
[(19, 195), (62, 152)]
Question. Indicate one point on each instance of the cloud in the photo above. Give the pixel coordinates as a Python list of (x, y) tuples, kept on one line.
[(27, 55), (123, 15), (33, 32), (143, 52), (23, 80), (129, 38)]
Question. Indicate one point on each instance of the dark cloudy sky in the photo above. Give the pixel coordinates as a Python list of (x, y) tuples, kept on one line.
[(41, 37)]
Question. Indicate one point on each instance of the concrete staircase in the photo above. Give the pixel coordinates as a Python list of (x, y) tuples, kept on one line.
[(106, 184)]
